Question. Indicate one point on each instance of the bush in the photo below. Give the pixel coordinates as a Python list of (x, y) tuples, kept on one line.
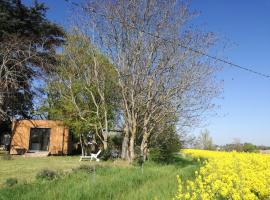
[(46, 174), (162, 154), (112, 152), (164, 147), (139, 160), (11, 181), (116, 141), (106, 154), (87, 168)]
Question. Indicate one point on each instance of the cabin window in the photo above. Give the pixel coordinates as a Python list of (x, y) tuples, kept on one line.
[(39, 139)]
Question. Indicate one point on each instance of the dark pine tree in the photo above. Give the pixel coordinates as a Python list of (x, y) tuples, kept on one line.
[(27, 23)]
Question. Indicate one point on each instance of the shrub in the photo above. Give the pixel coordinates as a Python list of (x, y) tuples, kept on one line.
[(106, 154), (162, 154), (112, 152), (139, 160), (116, 141), (87, 168), (11, 181), (163, 148), (46, 174)]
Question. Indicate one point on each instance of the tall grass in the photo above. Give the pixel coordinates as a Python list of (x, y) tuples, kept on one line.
[(121, 183)]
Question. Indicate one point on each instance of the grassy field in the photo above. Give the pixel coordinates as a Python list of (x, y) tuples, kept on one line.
[(109, 180), (25, 169)]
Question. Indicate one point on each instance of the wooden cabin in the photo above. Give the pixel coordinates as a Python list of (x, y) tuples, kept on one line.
[(47, 136)]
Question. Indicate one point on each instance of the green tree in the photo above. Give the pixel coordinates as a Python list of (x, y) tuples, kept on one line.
[(82, 90), (165, 144), (248, 147)]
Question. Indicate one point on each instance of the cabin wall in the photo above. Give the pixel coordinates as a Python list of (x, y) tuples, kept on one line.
[(59, 140), (59, 136)]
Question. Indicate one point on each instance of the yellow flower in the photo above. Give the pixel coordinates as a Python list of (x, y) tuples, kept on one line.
[(230, 175)]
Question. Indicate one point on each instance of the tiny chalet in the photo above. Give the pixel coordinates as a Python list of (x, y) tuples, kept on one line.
[(40, 136)]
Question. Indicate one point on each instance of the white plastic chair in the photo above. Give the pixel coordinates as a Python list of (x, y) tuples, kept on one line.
[(95, 156), (91, 157)]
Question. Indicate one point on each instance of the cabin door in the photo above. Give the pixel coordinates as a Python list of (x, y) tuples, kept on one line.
[(39, 139)]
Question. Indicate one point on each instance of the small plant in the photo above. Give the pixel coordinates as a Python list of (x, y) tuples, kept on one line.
[(11, 181), (140, 160), (46, 174), (87, 168)]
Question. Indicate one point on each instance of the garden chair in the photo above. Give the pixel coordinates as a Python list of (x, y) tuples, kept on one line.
[(91, 157)]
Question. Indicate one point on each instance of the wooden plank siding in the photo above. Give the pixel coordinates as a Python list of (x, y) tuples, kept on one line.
[(59, 136)]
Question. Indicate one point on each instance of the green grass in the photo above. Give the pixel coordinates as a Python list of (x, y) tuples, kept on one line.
[(25, 169), (109, 181)]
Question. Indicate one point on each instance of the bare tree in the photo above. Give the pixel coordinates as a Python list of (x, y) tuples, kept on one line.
[(205, 141), (236, 144), (15, 55), (158, 75)]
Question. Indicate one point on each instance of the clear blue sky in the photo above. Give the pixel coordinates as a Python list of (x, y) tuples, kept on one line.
[(245, 108)]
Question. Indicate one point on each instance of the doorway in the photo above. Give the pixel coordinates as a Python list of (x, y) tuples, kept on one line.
[(39, 139)]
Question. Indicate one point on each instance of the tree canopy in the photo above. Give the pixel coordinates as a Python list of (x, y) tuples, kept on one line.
[(82, 90), (158, 77), (28, 41)]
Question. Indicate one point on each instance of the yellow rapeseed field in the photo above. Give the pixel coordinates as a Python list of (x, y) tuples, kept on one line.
[(227, 175)]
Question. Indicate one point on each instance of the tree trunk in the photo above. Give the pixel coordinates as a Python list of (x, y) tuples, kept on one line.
[(131, 148), (143, 148), (105, 142), (133, 132), (105, 134), (144, 143), (124, 153), (82, 146)]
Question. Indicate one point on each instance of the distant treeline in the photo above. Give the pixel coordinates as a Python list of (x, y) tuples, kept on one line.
[(243, 147)]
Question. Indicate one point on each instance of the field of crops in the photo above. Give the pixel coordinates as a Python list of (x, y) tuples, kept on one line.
[(227, 175)]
